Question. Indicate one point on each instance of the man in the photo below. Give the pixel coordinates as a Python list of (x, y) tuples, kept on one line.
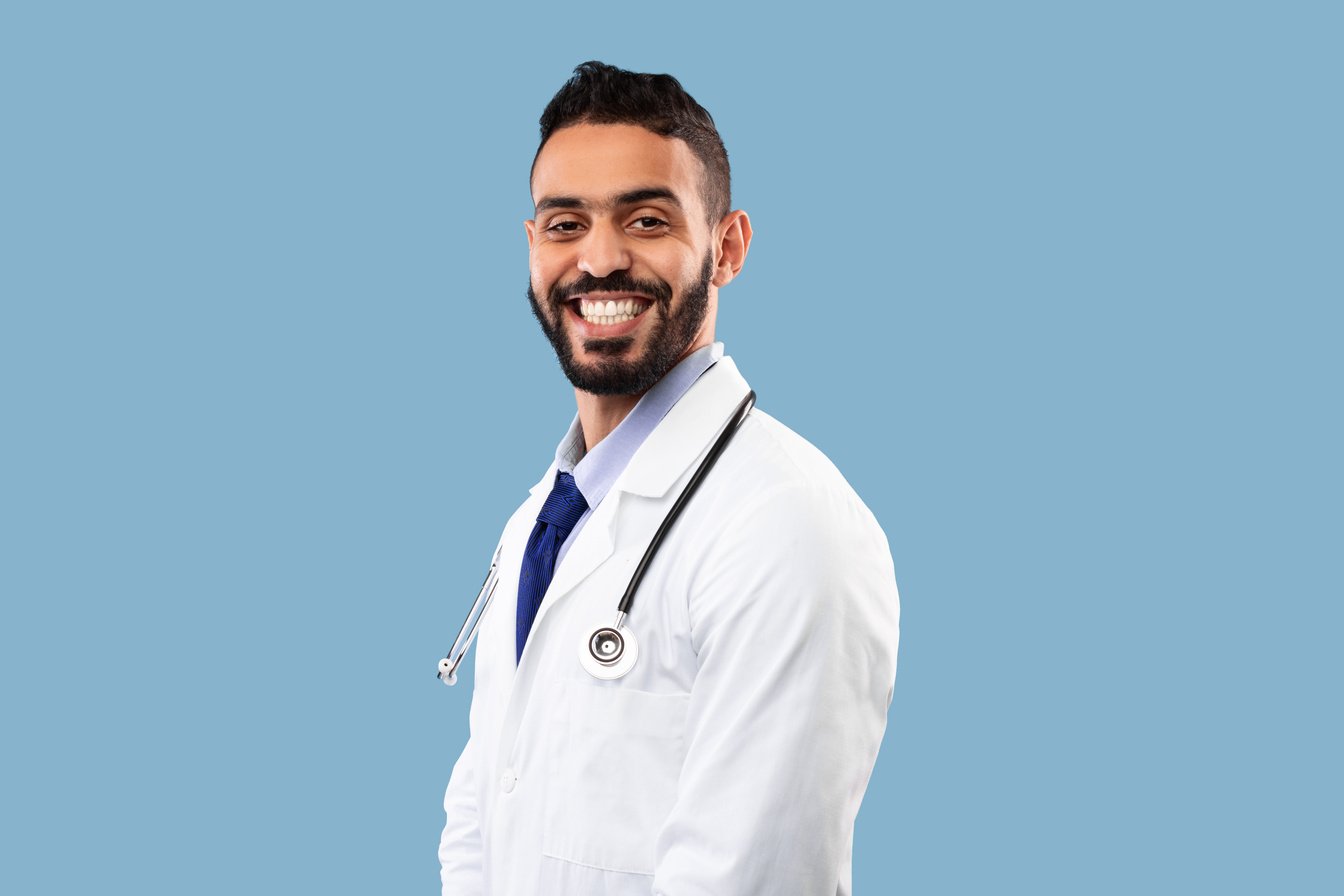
[(728, 756)]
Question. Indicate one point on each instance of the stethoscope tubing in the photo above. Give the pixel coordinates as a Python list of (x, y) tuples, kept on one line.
[(628, 599)]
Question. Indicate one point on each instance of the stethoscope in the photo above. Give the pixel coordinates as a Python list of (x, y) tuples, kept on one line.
[(610, 651)]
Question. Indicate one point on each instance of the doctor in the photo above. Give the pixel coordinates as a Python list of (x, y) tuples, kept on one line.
[(731, 756)]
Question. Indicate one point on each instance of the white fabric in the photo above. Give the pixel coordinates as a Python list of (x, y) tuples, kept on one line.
[(732, 759)]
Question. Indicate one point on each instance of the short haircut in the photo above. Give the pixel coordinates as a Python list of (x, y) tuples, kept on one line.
[(598, 93)]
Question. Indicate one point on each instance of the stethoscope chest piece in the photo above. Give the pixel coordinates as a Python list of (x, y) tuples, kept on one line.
[(609, 652)]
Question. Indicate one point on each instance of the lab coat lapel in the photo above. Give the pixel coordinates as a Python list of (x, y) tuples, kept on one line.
[(589, 550), (684, 435)]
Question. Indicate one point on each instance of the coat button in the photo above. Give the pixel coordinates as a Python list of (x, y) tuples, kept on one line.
[(507, 780)]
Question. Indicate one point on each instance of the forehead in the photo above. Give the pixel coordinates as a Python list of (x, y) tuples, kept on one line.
[(593, 162)]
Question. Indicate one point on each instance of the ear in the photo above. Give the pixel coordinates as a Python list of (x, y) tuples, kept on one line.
[(531, 228), (733, 241)]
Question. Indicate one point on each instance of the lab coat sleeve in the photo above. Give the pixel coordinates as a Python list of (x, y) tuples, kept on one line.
[(460, 846), (794, 618)]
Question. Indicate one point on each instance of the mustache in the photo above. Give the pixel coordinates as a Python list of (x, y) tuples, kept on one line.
[(616, 281)]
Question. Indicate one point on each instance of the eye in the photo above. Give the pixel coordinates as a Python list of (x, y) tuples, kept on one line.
[(563, 228), (647, 223)]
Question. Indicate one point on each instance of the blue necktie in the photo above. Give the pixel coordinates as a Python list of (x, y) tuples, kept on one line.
[(558, 515)]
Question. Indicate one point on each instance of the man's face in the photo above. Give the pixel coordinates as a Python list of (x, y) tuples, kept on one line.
[(621, 255)]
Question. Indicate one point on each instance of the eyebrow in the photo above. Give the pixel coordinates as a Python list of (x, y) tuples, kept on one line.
[(633, 197)]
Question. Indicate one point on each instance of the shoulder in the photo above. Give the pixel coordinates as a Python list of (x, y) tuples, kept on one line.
[(779, 529), (770, 460), (795, 456), (775, 490)]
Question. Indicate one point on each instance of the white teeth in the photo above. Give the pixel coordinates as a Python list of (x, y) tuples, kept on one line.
[(610, 311)]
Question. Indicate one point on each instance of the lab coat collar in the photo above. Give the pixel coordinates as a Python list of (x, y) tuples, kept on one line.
[(685, 433)]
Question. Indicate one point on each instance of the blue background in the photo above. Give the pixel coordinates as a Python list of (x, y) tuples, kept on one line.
[(1056, 285)]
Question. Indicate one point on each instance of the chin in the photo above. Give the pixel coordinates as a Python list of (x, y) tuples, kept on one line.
[(597, 350)]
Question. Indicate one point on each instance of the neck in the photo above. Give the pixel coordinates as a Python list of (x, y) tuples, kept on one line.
[(600, 414)]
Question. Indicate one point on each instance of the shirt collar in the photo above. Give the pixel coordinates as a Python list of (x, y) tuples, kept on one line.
[(597, 471)]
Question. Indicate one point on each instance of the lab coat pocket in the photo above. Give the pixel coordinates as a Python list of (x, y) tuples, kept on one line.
[(613, 776)]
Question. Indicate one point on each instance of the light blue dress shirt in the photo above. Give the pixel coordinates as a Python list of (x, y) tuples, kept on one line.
[(597, 471)]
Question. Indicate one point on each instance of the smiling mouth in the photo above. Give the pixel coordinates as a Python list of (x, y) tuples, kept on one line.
[(610, 311)]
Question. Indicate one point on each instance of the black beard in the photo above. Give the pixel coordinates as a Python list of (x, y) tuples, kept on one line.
[(668, 340)]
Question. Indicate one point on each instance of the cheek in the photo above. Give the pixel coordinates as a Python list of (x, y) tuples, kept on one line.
[(683, 275), (677, 263), (544, 271)]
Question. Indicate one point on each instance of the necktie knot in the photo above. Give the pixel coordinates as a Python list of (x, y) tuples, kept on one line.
[(564, 505)]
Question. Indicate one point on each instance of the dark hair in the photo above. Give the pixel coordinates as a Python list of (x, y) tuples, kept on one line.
[(598, 93)]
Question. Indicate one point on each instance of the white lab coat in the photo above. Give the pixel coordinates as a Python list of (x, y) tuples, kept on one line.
[(731, 760)]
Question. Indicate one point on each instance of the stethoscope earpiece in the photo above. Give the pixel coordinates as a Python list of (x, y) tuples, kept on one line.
[(446, 672)]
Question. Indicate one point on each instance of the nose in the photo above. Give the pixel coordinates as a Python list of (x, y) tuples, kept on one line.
[(604, 251)]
